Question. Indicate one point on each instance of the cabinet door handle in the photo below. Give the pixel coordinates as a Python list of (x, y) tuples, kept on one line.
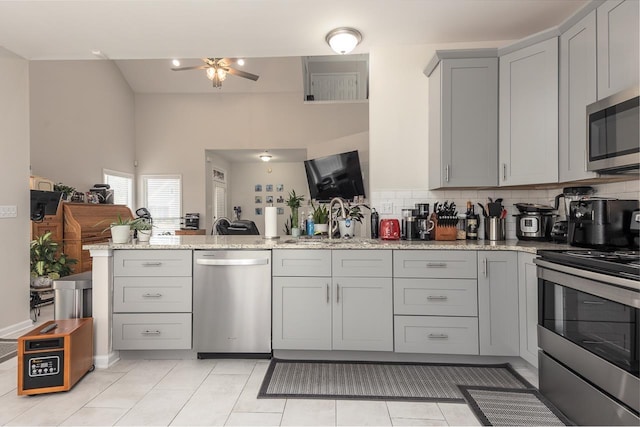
[(484, 267), (147, 295), (436, 264), (327, 293), (504, 171), (437, 297), (593, 302), (151, 264), (148, 332), (446, 173), (337, 293), (592, 342), (438, 336)]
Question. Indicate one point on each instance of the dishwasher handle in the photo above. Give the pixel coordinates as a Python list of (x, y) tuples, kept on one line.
[(233, 261)]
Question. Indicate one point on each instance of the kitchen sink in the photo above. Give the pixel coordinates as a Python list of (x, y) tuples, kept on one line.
[(306, 241)]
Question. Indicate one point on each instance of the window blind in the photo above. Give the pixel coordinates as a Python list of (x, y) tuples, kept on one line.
[(122, 185), (163, 199)]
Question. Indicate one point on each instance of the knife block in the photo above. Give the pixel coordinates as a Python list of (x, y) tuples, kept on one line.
[(440, 232)]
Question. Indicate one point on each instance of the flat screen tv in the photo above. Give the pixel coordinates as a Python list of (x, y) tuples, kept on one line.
[(338, 175), (44, 203)]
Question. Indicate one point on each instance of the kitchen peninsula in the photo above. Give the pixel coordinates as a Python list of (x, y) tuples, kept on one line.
[(404, 270)]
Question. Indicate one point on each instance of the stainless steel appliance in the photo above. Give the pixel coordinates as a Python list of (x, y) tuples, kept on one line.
[(534, 222), (612, 133), (589, 334), (191, 221), (232, 303), (600, 223), (560, 227)]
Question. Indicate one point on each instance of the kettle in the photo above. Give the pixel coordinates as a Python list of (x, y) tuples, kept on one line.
[(390, 229)]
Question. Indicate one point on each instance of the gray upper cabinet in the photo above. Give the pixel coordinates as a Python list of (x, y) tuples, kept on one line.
[(498, 303), (577, 90), (463, 119), (529, 115), (618, 46)]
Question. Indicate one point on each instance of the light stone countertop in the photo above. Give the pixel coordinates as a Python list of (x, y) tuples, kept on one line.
[(288, 242)]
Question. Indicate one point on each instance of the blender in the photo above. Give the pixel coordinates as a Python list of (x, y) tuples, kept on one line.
[(561, 226)]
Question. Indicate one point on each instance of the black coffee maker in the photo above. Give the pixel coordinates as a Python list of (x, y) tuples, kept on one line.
[(422, 220), (560, 229)]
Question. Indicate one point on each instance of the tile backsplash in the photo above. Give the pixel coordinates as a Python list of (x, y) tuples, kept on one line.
[(400, 199)]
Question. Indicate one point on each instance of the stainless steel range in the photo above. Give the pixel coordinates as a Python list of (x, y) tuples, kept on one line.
[(589, 334)]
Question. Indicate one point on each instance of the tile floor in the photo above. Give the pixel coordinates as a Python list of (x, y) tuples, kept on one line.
[(204, 392)]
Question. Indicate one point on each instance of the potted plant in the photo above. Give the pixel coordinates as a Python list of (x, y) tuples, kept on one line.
[(347, 225), (144, 229), (46, 263), (294, 202), (320, 216), (121, 229), (67, 191)]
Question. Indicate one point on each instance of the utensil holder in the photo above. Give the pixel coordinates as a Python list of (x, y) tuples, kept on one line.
[(494, 228)]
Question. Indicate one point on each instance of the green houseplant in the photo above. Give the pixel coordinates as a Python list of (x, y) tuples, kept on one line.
[(294, 202), (47, 263), (320, 217), (67, 191), (144, 229), (121, 228)]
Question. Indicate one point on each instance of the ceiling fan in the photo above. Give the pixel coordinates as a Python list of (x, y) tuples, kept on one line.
[(218, 68)]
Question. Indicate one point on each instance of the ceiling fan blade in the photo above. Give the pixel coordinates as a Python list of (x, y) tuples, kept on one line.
[(239, 73), (196, 67), (225, 62)]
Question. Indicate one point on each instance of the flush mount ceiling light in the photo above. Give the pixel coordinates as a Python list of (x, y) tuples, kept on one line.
[(265, 157), (343, 40)]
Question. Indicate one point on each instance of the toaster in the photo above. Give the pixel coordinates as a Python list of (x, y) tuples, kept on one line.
[(389, 229)]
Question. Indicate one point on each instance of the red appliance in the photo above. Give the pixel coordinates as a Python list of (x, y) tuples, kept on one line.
[(389, 229)]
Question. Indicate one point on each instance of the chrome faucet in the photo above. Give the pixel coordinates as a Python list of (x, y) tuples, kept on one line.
[(343, 214), (214, 229)]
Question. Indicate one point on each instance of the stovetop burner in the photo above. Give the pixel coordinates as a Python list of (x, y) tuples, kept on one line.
[(620, 263)]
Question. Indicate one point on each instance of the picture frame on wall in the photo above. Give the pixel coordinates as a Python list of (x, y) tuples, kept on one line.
[(258, 188), (258, 211), (219, 175), (280, 211), (268, 188), (280, 199), (269, 199), (258, 199), (279, 188)]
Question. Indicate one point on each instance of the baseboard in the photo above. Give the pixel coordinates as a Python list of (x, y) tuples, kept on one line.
[(24, 326), (103, 362)]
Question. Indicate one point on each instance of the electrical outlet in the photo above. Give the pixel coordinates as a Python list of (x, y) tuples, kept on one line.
[(386, 208), (8, 211)]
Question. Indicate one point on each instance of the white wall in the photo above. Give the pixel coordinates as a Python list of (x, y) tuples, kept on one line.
[(82, 120), (174, 131), (14, 174)]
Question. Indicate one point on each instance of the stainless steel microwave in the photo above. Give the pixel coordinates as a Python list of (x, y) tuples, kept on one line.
[(613, 141)]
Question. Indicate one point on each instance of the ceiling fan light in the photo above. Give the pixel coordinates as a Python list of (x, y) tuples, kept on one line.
[(343, 40), (221, 74), (211, 73), (240, 62), (176, 62), (265, 157)]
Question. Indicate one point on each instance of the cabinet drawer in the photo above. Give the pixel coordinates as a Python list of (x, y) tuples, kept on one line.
[(152, 331), (435, 297), (151, 294), (152, 263), (435, 264), (362, 263), (302, 262), (431, 334)]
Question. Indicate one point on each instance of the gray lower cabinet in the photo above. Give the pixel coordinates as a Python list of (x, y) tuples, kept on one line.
[(498, 303), (349, 310), (528, 307), (463, 119), (618, 46), (435, 302), (152, 299), (301, 313), (577, 90), (528, 123)]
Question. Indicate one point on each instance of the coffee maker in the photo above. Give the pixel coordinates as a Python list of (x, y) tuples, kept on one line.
[(422, 220), (560, 228)]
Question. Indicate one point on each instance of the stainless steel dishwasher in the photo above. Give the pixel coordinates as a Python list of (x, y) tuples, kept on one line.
[(232, 303)]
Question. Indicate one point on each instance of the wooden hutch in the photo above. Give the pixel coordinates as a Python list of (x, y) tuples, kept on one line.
[(77, 224)]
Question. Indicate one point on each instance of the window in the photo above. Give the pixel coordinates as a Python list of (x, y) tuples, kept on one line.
[(162, 196), (122, 185)]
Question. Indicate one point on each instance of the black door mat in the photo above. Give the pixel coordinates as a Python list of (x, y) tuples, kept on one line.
[(382, 380), (8, 349), (512, 407)]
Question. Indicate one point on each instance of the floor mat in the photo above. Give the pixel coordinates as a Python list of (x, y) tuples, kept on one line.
[(382, 380), (8, 349), (512, 407)]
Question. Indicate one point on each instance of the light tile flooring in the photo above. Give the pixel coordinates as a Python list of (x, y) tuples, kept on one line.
[(204, 392)]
